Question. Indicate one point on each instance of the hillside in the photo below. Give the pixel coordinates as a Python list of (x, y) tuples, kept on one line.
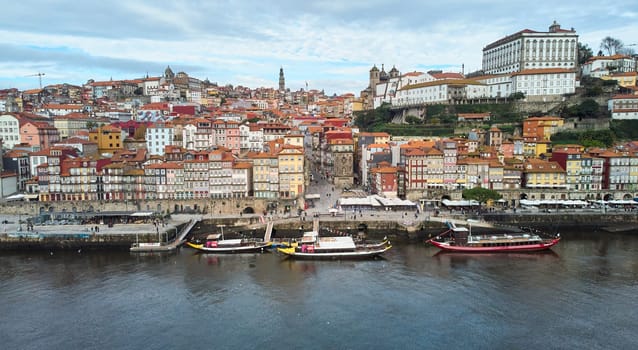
[(585, 112)]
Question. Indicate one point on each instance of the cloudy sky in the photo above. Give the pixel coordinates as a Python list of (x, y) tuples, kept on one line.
[(330, 45)]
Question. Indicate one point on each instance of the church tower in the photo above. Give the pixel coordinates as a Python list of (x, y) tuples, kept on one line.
[(374, 77), (282, 80), (168, 74)]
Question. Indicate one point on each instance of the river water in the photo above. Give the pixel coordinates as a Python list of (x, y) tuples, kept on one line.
[(583, 294)]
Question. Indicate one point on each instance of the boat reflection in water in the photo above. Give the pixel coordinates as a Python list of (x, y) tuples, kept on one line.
[(539, 255)]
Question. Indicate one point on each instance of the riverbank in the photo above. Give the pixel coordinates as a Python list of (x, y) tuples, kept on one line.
[(398, 226), (17, 235)]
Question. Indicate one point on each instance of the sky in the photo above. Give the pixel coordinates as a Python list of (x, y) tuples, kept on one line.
[(328, 45)]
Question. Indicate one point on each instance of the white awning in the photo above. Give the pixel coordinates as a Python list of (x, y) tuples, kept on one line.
[(15, 197), (142, 213), (464, 203)]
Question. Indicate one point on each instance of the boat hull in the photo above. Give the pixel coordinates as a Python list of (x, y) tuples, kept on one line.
[(353, 255), (151, 249), (535, 247), (256, 248)]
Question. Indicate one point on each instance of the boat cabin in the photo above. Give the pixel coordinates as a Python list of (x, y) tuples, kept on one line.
[(311, 242), (504, 240), (216, 240)]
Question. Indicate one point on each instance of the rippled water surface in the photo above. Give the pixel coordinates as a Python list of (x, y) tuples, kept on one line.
[(583, 294)]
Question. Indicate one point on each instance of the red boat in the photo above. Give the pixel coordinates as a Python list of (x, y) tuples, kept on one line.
[(460, 239)]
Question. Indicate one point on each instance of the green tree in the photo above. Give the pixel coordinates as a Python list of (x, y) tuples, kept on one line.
[(517, 95), (481, 195), (597, 138), (593, 91), (584, 53), (372, 119), (413, 120), (589, 109)]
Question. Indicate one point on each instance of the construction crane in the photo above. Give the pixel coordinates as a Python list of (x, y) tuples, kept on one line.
[(39, 75)]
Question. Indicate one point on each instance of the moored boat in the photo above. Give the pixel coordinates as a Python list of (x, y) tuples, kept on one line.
[(460, 239), (314, 247), (215, 243)]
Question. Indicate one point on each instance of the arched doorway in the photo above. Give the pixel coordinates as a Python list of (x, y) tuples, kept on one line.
[(248, 210)]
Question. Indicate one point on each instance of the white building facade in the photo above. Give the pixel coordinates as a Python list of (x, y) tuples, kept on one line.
[(537, 83), (9, 131), (441, 91), (159, 136), (624, 107), (600, 66), (528, 49)]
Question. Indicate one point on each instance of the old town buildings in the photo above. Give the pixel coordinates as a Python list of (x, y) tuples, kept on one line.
[(174, 136)]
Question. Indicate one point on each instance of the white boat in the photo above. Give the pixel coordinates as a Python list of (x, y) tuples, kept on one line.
[(312, 246)]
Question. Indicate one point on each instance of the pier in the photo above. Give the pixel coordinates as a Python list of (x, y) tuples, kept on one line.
[(171, 246), (147, 236)]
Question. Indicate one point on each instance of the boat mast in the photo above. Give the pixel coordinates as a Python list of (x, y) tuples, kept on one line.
[(222, 227), (469, 222)]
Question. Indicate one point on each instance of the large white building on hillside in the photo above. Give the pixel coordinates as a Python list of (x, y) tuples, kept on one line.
[(541, 65), (441, 91), (387, 86), (539, 83), (528, 49)]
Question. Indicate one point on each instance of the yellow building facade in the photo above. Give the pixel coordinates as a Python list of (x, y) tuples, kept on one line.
[(108, 138), (543, 174), (290, 160)]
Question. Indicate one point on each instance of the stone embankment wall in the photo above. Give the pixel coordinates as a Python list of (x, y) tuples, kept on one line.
[(227, 206), (566, 220), (95, 242), (374, 229)]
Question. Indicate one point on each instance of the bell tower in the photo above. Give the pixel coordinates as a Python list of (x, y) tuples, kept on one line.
[(282, 80)]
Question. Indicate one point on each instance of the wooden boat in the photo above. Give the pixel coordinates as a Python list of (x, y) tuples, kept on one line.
[(313, 247), (371, 245), (215, 243), (460, 239)]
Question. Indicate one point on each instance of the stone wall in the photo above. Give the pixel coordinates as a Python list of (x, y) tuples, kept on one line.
[(528, 193), (558, 219), (228, 206)]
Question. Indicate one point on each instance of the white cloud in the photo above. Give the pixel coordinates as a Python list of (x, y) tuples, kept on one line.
[(246, 42)]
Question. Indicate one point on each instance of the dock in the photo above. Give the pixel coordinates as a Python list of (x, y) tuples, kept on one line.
[(268, 234), (171, 246)]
